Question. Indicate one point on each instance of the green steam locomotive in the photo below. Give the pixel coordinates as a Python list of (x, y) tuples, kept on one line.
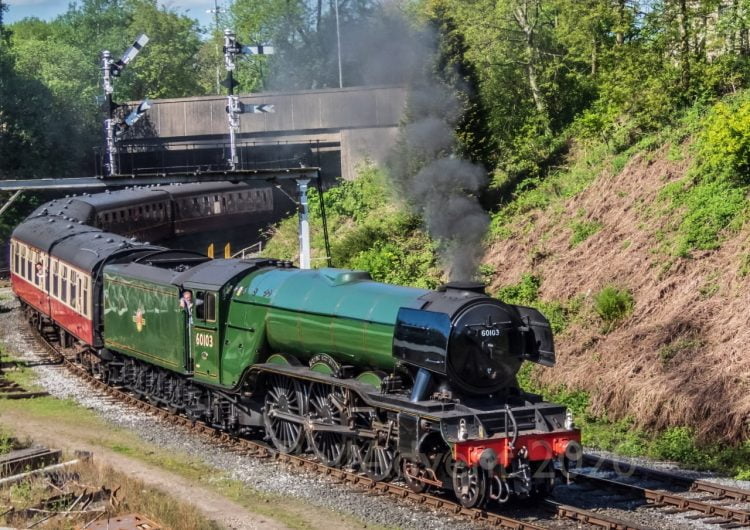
[(392, 380)]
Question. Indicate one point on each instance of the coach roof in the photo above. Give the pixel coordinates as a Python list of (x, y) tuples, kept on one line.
[(125, 198), (69, 207), (77, 244), (181, 190), (43, 232)]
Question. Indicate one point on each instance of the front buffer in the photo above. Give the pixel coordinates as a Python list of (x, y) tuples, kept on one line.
[(502, 467)]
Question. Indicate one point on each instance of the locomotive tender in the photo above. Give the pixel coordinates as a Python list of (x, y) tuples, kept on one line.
[(390, 380)]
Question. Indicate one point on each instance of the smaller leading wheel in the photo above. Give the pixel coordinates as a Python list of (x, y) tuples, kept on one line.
[(470, 485), (410, 471)]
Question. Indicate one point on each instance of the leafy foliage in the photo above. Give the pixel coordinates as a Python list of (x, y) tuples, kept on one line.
[(368, 233), (613, 304), (50, 79), (582, 230), (526, 293), (713, 196)]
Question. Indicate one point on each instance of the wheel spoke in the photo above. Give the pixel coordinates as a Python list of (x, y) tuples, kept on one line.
[(283, 396)]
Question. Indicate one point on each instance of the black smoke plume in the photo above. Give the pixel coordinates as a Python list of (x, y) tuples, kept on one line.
[(426, 167)]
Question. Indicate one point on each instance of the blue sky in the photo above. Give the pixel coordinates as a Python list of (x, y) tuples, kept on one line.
[(49, 9)]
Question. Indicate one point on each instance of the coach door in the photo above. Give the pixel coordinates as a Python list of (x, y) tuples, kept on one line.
[(205, 345)]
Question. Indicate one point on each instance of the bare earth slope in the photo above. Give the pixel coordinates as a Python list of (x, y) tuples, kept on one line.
[(683, 357)]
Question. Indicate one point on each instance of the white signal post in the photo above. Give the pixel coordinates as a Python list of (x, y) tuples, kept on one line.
[(232, 48), (304, 225), (109, 123)]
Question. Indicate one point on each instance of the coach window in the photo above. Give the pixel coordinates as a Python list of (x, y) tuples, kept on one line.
[(30, 265), (73, 289), (55, 279), (85, 295), (64, 283)]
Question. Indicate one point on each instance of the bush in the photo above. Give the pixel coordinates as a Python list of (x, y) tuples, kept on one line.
[(525, 292), (582, 230), (676, 443), (613, 304), (713, 195)]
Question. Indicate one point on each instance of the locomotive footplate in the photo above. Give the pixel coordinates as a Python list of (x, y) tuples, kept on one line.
[(522, 421)]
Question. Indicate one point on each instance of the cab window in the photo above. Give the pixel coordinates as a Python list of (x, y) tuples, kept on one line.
[(205, 306)]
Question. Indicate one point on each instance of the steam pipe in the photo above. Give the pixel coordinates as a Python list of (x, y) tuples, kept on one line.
[(421, 382)]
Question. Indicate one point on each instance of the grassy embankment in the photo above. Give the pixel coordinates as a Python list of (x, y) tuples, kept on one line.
[(699, 204), (693, 214)]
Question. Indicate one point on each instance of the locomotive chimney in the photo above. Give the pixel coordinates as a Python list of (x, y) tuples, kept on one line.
[(473, 287)]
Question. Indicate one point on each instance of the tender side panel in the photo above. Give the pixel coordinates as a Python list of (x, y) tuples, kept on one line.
[(143, 319)]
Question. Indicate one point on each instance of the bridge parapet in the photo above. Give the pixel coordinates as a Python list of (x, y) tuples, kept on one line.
[(308, 110)]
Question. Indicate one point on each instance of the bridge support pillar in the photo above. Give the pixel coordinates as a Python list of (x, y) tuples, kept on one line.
[(304, 224)]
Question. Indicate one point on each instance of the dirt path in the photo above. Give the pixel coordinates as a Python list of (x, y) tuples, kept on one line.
[(215, 507)]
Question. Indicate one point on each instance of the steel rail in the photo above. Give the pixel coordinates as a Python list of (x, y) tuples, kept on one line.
[(665, 498), (588, 517), (700, 486)]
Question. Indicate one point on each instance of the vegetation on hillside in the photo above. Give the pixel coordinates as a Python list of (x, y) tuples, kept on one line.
[(369, 230)]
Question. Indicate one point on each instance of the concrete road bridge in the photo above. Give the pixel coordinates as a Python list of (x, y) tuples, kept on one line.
[(333, 128)]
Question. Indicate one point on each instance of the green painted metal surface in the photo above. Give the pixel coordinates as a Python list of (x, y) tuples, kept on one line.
[(339, 312), (205, 347), (296, 312), (143, 319), (244, 337)]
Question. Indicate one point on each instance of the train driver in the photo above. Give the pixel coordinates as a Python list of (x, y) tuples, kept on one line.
[(186, 304)]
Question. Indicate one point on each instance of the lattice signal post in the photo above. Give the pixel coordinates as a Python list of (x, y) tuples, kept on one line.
[(114, 127)]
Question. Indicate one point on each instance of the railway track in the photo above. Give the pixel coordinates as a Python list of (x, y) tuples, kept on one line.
[(716, 507), (627, 469), (259, 449)]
